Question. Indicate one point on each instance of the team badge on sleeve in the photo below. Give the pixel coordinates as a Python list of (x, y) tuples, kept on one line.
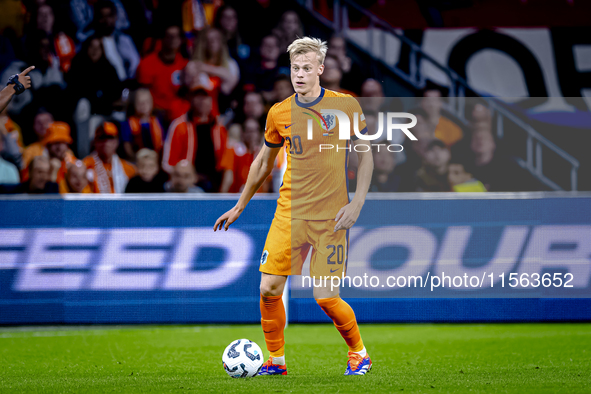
[(264, 257)]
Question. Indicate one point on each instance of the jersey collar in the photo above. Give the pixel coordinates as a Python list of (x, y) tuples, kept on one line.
[(311, 103)]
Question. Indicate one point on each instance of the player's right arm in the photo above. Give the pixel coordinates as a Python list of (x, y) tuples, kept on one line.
[(260, 169), (7, 93)]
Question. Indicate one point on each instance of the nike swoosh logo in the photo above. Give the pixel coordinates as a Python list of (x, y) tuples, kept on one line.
[(288, 126), (335, 270)]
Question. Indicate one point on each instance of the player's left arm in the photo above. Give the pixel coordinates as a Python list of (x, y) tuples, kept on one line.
[(348, 215)]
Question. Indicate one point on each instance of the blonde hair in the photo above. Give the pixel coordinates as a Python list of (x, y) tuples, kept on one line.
[(221, 58), (308, 44), (146, 153)]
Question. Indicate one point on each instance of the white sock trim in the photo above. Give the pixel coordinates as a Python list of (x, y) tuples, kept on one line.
[(362, 353), (279, 360)]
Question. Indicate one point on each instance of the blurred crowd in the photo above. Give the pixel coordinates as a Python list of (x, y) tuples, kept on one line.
[(144, 96), (448, 155)]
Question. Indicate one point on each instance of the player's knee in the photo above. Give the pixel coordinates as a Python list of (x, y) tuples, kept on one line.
[(269, 289), (272, 285), (325, 292)]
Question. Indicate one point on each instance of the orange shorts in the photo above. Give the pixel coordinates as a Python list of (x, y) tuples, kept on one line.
[(289, 242)]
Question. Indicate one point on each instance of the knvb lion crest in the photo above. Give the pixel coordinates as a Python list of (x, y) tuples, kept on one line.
[(330, 122)]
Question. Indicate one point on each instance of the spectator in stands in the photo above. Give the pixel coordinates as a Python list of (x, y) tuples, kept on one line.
[(75, 180), (415, 150), (8, 171), (226, 20), (424, 131), (234, 135), (38, 183), (47, 78), (432, 176), (197, 137), (142, 129), (253, 107), (107, 172), (262, 73), (290, 27), (12, 128), (384, 178), (56, 143), (82, 15), (149, 178), (161, 71), (39, 177), (445, 129), (118, 47), (62, 45), (196, 16), (242, 157), (93, 78), (194, 77), (373, 95), (480, 118), (12, 139), (332, 75), (213, 58), (183, 179), (282, 88), (351, 73), (497, 172), (460, 177), (372, 99), (42, 121)]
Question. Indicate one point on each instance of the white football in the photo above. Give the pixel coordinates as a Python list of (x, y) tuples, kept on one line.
[(242, 359)]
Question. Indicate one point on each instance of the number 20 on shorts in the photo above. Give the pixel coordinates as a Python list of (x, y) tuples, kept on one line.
[(340, 254)]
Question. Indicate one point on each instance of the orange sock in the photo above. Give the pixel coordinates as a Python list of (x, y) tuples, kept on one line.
[(273, 322), (344, 320)]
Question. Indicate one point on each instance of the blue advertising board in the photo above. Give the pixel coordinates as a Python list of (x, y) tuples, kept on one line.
[(156, 259)]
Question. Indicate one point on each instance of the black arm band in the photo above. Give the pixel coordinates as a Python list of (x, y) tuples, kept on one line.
[(18, 87)]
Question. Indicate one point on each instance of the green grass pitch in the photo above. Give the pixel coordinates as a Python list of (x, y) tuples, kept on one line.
[(499, 358)]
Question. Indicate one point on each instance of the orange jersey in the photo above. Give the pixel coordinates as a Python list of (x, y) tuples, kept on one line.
[(181, 143), (315, 181), (32, 151), (101, 179), (15, 132), (65, 50), (240, 162)]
